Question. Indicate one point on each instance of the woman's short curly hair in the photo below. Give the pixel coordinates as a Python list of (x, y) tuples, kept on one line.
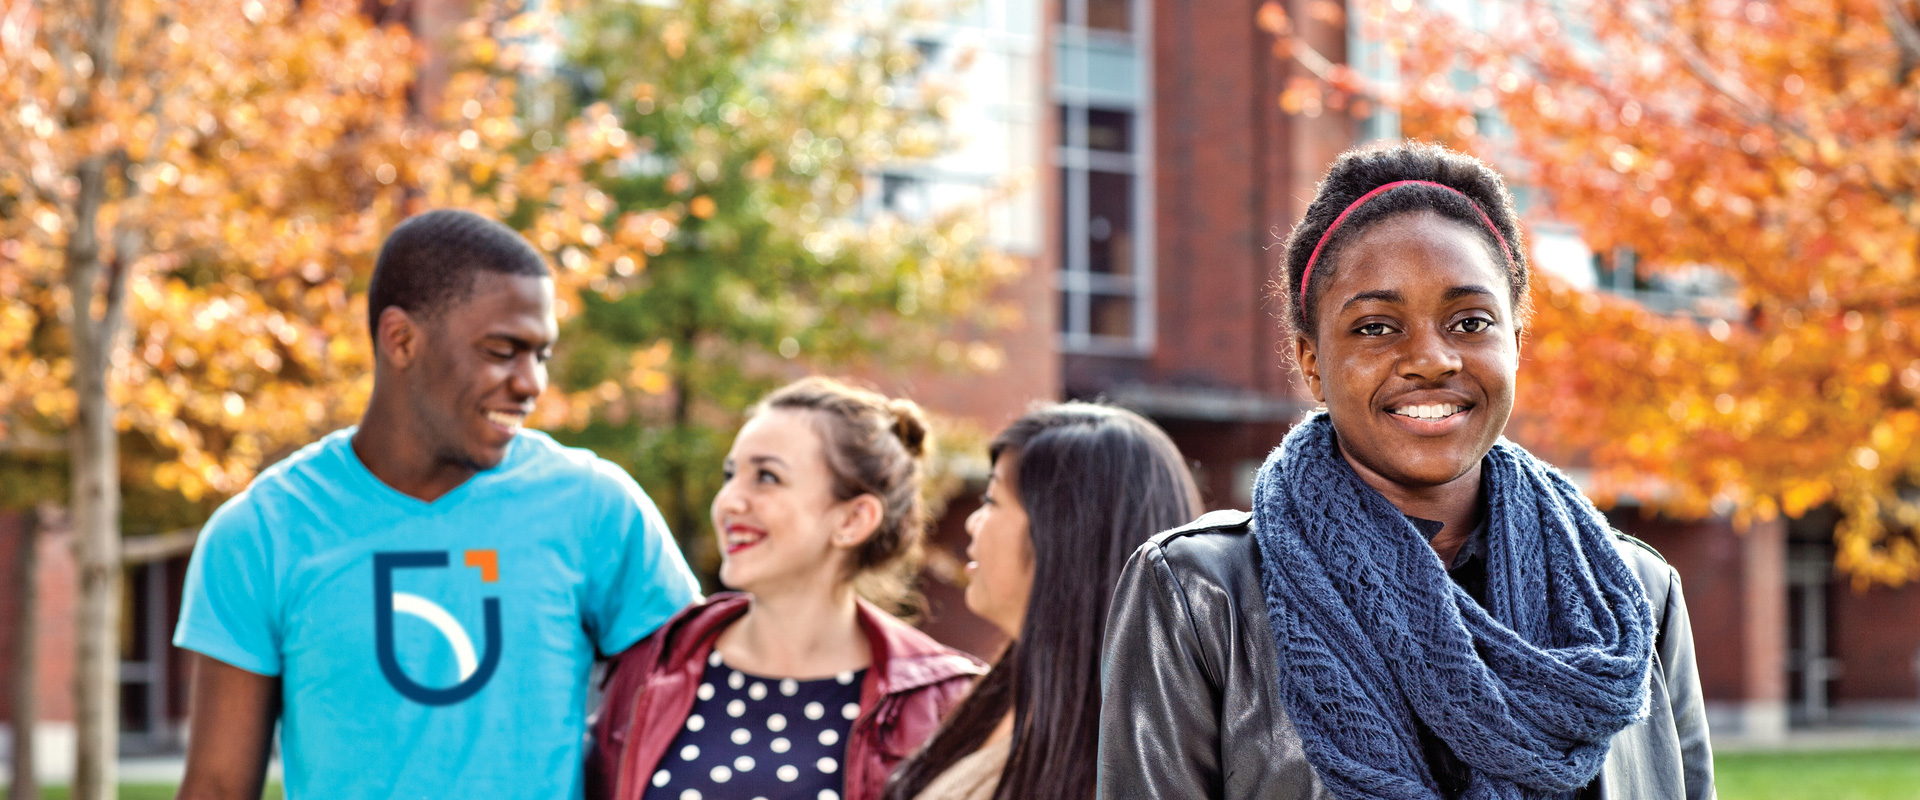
[(1364, 169)]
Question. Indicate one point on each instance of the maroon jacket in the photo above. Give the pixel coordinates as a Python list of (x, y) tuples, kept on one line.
[(911, 684)]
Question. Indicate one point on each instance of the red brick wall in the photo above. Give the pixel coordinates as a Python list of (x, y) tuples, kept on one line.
[(947, 618), (1232, 174), (1736, 602), (1217, 450), (57, 582), (1876, 637), (11, 523)]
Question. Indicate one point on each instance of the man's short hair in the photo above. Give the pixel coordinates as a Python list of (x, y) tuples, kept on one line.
[(429, 262)]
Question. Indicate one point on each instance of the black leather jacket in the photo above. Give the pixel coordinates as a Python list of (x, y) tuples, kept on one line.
[(1190, 679)]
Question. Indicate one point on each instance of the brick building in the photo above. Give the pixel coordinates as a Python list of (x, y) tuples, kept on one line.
[(1166, 175), (1174, 175)]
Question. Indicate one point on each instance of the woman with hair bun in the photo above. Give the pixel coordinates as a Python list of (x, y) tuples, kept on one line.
[(792, 686), (1416, 607)]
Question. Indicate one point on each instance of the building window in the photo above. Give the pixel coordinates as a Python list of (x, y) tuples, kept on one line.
[(1102, 153), (906, 196)]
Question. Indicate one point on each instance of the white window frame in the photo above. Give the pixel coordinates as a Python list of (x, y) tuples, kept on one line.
[(1076, 283)]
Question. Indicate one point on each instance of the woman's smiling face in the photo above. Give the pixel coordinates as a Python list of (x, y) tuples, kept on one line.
[(1414, 351), (775, 515)]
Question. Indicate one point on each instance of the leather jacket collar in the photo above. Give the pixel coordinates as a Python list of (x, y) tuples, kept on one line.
[(903, 658), (1190, 682)]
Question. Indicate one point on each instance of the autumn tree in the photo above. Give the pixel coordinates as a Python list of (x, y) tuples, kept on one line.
[(712, 216), (1769, 142), (190, 195)]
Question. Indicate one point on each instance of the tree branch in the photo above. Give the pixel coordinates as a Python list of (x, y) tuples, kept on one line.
[(1905, 34)]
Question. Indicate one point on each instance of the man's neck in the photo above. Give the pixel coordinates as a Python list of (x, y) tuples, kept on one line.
[(392, 448), (798, 634)]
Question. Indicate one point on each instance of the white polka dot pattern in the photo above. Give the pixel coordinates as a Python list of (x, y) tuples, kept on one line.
[(799, 757)]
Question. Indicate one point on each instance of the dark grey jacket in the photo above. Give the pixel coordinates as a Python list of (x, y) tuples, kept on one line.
[(1190, 680)]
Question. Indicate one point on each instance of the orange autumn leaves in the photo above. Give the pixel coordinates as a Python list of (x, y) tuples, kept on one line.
[(1768, 141), (254, 154), (261, 149)]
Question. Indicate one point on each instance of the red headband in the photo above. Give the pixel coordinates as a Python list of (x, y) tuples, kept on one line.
[(1307, 274)]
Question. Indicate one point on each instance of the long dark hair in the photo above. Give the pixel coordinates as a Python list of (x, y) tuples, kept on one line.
[(1096, 481)]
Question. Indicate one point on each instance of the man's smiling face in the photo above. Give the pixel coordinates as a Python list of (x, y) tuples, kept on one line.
[(483, 365), (1415, 350)]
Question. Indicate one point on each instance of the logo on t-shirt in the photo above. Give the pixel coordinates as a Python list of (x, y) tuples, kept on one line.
[(474, 671)]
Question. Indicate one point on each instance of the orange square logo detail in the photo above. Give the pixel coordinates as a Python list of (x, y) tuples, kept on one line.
[(487, 561)]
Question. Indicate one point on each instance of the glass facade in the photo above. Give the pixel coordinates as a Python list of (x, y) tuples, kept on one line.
[(1102, 151)]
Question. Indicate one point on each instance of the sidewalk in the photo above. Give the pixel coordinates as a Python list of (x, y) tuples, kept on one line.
[(1823, 739), (167, 770)]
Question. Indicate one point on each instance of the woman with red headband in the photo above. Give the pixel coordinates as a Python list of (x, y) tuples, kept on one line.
[(1415, 607)]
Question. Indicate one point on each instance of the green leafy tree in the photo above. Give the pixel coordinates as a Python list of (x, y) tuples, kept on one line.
[(720, 240)]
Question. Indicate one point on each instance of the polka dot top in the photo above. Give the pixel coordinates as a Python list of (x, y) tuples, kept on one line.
[(760, 738)]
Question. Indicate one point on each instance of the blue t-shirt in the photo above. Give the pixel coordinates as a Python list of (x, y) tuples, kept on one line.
[(432, 649)]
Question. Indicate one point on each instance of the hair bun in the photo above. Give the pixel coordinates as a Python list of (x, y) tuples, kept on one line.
[(909, 424)]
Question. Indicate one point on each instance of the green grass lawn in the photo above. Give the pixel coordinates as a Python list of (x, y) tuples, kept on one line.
[(140, 791), (1838, 775)]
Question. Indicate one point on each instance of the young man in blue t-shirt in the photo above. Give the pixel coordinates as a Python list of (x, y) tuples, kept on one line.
[(418, 600)]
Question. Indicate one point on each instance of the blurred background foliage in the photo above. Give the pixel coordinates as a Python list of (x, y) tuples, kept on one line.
[(720, 233), (1768, 146), (699, 174)]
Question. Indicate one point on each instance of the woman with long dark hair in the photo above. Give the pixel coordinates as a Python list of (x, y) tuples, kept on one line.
[(1416, 607), (1075, 487), (793, 687)]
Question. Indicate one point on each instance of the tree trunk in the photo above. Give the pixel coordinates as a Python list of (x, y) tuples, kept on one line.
[(686, 521), (93, 442), (26, 674), (94, 453)]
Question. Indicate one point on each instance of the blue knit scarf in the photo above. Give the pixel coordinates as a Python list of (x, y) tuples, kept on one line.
[(1372, 633)]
